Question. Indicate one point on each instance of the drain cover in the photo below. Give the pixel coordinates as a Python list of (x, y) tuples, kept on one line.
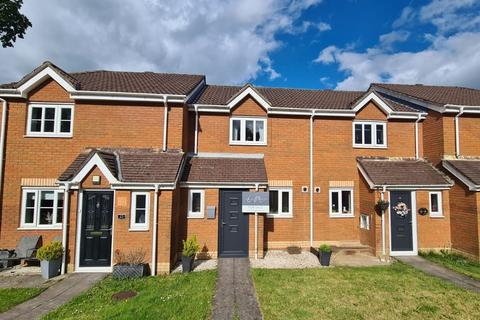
[(123, 295)]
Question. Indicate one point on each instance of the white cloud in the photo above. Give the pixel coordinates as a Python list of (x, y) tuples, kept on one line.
[(452, 56), (229, 41)]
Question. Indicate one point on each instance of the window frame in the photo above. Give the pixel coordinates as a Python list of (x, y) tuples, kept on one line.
[(36, 209), (374, 144), (439, 213), (57, 120), (243, 141), (201, 213), (288, 214), (367, 221), (339, 214), (134, 226)]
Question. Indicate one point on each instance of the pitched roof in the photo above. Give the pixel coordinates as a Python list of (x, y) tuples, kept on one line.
[(398, 104), (401, 172), (224, 169), (439, 95), (282, 97), (131, 164), (468, 168), (119, 81)]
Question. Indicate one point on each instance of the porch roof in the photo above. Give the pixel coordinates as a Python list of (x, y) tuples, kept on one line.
[(225, 168), (130, 164), (466, 170), (401, 172)]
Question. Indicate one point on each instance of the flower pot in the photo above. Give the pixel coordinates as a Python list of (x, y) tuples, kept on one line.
[(325, 258), (187, 263), (50, 268), (124, 271)]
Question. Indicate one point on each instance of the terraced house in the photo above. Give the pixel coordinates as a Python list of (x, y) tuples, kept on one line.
[(121, 160)]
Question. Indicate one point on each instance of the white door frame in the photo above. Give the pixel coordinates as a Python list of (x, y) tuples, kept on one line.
[(78, 237), (413, 252)]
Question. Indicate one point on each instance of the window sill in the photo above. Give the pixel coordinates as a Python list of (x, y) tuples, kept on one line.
[(339, 216), (195, 217), (40, 228), (138, 229), (245, 143), (437, 217), (274, 216), (61, 136), (369, 147)]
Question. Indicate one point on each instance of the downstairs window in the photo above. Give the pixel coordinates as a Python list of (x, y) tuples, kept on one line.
[(42, 208)]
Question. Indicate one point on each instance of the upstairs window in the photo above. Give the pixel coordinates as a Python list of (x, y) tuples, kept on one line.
[(247, 131), (48, 120), (369, 134), (42, 208)]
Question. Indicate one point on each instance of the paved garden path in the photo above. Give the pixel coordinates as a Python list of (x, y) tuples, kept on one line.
[(442, 272), (53, 297), (235, 296)]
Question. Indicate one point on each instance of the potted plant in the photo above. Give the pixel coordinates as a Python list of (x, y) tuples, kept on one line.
[(325, 254), (50, 257), (129, 265), (190, 249), (381, 206)]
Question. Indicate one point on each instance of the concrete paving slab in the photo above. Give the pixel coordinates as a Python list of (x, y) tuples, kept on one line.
[(441, 272)]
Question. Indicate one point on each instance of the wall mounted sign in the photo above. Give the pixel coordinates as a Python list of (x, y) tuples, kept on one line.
[(255, 202), (121, 216), (423, 211), (210, 212)]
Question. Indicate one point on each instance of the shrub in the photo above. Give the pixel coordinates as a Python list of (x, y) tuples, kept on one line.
[(325, 248), (50, 252), (190, 246), (132, 257)]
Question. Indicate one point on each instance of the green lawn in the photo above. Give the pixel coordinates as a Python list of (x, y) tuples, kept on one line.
[(176, 296), (454, 262), (10, 297), (391, 292)]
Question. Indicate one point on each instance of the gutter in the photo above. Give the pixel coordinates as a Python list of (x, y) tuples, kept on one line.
[(457, 132), (154, 236), (311, 178)]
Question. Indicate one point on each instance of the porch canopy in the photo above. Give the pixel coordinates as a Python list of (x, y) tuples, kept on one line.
[(402, 173), (126, 166), (466, 170), (225, 170)]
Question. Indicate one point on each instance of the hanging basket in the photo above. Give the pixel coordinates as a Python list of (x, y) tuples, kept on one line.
[(381, 206)]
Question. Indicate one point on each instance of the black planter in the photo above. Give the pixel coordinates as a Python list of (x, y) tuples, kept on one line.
[(325, 258), (124, 271), (187, 263)]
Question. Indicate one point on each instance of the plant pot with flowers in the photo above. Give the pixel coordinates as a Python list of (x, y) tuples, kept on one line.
[(381, 206), (325, 253), (130, 264), (190, 249), (50, 257)]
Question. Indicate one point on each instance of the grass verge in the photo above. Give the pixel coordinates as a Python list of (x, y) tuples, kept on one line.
[(455, 262), (10, 297), (177, 296), (391, 292)]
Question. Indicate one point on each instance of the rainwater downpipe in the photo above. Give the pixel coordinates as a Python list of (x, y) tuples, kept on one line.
[(311, 178), (165, 122), (457, 132), (155, 227), (2, 142), (416, 138), (65, 227), (384, 251), (256, 228), (196, 131)]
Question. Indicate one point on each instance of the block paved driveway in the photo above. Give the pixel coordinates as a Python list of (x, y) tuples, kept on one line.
[(235, 296)]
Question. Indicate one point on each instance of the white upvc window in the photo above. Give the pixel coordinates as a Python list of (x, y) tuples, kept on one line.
[(369, 134), (196, 201), (140, 210), (436, 209), (41, 208), (364, 221), (280, 203), (248, 131), (341, 202), (50, 120)]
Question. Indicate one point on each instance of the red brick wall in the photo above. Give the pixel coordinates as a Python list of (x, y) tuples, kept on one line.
[(433, 233), (469, 140), (433, 137)]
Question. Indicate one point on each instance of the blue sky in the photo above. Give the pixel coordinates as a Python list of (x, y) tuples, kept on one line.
[(325, 44)]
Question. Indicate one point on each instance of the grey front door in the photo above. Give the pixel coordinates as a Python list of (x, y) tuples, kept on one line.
[(233, 225), (401, 219), (96, 233)]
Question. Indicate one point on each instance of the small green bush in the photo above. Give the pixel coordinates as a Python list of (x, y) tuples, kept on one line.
[(50, 252), (190, 246), (325, 248)]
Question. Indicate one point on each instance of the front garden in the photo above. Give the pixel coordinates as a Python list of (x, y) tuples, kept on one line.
[(455, 262), (10, 297)]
